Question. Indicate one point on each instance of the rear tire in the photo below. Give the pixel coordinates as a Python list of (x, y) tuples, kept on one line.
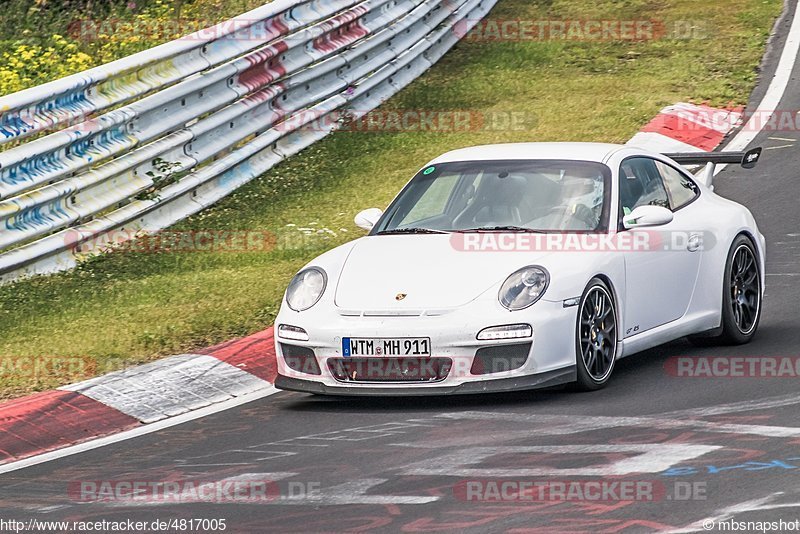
[(741, 297), (595, 337)]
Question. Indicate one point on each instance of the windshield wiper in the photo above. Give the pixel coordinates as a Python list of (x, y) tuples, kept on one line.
[(411, 231), (501, 229)]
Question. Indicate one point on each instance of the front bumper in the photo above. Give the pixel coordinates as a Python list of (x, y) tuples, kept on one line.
[(500, 385), (550, 358)]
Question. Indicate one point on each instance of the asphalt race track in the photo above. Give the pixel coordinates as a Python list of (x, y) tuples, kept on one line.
[(707, 448)]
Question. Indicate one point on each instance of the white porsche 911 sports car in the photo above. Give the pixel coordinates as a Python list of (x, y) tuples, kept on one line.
[(518, 266)]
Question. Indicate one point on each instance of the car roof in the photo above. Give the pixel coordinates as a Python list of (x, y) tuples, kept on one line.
[(598, 152)]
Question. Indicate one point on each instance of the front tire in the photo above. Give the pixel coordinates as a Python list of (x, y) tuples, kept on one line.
[(596, 336)]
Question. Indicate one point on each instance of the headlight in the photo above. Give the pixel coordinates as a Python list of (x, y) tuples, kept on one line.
[(523, 288), (306, 289)]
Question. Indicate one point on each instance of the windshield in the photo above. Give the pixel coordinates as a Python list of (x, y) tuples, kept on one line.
[(528, 195)]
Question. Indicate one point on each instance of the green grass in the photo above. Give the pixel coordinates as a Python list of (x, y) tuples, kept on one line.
[(136, 307)]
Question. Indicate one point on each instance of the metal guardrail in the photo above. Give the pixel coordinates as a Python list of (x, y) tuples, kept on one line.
[(196, 118)]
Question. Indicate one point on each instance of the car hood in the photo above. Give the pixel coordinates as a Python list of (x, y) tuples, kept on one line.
[(429, 270)]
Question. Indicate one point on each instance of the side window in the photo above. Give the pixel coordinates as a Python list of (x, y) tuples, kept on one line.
[(680, 188), (640, 184)]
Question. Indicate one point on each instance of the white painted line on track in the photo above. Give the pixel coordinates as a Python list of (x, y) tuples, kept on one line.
[(726, 514), (190, 493), (573, 424), (352, 492), (138, 431), (648, 458), (734, 407), (775, 92)]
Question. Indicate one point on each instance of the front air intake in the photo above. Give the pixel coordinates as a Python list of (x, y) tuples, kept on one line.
[(500, 358), (300, 359)]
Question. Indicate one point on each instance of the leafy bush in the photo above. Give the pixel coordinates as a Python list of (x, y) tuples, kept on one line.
[(43, 40)]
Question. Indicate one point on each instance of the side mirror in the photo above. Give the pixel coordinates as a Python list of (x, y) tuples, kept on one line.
[(367, 219), (647, 216)]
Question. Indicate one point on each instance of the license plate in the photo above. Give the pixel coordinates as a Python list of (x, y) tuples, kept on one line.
[(406, 346)]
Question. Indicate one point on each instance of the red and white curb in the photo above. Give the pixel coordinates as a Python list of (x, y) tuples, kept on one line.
[(687, 127), (142, 395), (52, 420), (175, 386)]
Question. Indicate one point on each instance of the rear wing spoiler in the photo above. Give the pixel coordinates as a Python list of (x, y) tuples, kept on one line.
[(747, 160)]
